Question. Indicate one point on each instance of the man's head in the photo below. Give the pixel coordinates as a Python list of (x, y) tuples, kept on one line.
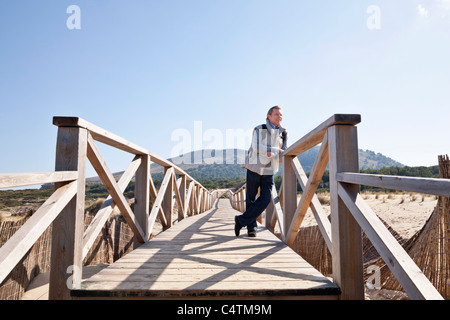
[(275, 115)]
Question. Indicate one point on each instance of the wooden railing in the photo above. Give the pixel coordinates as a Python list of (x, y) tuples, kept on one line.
[(76, 143), (349, 212)]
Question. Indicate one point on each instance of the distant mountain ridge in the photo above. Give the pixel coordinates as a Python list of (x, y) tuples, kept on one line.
[(367, 159), (216, 164), (210, 164)]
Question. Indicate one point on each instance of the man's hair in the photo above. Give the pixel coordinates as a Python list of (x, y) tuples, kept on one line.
[(271, 110)]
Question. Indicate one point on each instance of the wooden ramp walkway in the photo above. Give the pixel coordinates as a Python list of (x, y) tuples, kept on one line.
[(200, 257)]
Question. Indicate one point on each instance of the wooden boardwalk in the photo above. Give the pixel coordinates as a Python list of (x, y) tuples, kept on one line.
[(200, 257)]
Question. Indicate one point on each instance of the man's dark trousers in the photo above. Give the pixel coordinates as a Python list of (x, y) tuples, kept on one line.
[(254, 207)]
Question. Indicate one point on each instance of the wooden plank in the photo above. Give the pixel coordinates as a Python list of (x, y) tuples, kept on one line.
[(196, 199), (412, 279), (309, 191), (199, 199), (153, 192), (157, 205), (13, 180), (189, 201), (142, 196), (186, 264), (271, 218), (346, 233), (167, 203), (320, 215), (178, 199), (189, 271), (278, 212), (182, 188), (23, 239), (210, 289), (440, 187), (110, 184), (228, 275), (315, 136), (96, 225)]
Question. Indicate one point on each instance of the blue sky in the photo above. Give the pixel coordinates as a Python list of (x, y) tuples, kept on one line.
[(143, 69)]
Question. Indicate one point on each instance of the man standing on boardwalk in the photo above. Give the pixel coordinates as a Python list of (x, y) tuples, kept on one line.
[(269, 140)]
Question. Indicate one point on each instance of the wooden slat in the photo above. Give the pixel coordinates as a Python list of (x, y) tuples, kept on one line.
[(415, 283), (321, 218), (13, 180), (315, 136), (289, 183), (157, 205), (105, 211), (110, 184), (23, 239), (309, 191), (278, 212), (189, 201), (198, 193), (178, 198), (195, 199), (167, 203), (440, 187), (182, 190)]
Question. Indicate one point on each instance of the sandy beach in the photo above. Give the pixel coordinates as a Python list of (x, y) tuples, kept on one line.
[(406, 213)]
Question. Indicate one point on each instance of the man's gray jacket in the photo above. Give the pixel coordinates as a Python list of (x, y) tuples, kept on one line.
[(263, 155)]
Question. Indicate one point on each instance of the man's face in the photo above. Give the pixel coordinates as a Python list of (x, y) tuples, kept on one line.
[(276, 117)]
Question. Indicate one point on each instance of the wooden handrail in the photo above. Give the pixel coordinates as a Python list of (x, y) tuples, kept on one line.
[(108, 138), (439, 187), (315, 136), (12, 252), (14, 180)]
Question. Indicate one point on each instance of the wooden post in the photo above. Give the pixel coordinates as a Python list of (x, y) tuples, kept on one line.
[(270, 211), (68, 227), (289, 192), (202, 203), (167, 203), (242, 205), (260, 217), (183, 197), (142, 197), (345, 231)]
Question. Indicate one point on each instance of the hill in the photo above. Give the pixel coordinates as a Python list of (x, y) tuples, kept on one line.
[(368, 159), (222, 168)]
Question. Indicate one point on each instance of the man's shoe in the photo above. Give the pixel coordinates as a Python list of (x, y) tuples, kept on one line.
[(252, 234), (237, 226)]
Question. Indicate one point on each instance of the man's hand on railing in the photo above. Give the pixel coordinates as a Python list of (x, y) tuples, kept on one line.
[(274, 152)]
